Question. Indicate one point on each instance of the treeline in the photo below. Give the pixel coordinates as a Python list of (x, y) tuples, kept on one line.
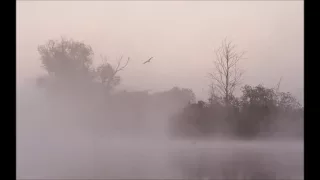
[(258, 112), (89, 94), (81, 93)]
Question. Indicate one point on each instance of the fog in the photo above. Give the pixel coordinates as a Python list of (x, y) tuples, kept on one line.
[(81, 118), (57, 141)]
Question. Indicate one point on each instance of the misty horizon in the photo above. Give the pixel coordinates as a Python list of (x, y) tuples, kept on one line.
[(160, 90)]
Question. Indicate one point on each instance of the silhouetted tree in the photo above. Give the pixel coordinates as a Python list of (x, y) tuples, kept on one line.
[(257, 107), (66, 58), (259, 111), (287, 102), (226, 75), (107, 74)]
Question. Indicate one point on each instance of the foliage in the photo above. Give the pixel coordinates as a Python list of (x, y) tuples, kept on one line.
[(66, 58), (259, 111), (71, 62)]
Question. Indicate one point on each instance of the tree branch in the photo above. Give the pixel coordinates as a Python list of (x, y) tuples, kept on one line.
[(227, 76), (118, 68)]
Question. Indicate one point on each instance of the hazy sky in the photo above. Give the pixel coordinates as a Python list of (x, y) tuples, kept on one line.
[(180, 35)]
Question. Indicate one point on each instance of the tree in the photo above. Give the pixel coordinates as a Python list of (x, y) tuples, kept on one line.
[(258, 110), (258, 95), (107, 74), (66, 58), (270, 111), (287, 102), (70, 61), (227, 75)]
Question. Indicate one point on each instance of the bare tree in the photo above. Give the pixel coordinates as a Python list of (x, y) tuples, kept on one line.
[(226, 76), (107, 74)]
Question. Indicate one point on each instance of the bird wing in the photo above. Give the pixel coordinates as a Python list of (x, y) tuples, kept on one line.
[(148, 60)]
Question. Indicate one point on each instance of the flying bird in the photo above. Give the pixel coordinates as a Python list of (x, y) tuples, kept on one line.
[(148, 60)]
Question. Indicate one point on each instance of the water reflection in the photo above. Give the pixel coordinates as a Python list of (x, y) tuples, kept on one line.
[(133, 159), (241, 163)]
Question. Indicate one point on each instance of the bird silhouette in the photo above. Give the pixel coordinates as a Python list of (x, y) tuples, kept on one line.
[(148, 60)]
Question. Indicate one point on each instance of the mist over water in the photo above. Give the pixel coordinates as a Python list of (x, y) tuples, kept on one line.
[(160, 90), (58, 142)]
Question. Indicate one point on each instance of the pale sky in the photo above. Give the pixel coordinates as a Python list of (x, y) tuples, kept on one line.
[(180, 35)]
